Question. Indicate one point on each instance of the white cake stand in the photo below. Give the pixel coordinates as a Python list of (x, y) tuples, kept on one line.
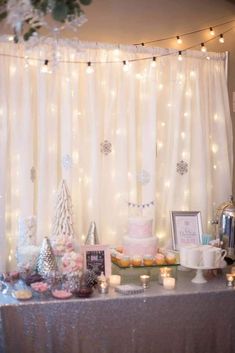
[(199, 278)]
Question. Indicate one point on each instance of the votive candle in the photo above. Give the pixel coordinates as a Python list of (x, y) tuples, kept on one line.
[(145, 279), (164, 272), (103, 287), (169, 282), (114, 280), (230, 279)]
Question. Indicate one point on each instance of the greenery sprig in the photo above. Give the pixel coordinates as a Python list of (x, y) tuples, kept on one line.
[(61, 11)]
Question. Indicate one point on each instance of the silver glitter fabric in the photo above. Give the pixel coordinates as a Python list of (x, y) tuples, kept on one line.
[(190, 319)]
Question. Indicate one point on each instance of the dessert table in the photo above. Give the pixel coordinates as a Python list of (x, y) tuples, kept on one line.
[(192, 318)]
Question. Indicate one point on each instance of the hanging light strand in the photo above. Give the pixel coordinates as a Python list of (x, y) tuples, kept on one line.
[(153, 58), (179, 37)]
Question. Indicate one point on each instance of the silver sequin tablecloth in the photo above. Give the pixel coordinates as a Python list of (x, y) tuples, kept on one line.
[(191, 319)]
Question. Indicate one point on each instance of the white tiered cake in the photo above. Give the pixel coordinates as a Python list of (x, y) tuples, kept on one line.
[(140, 240)]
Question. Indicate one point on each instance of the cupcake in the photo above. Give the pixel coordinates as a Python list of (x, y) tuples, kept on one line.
[(170, 258), (124, 261), (160, 259), (136, 261), (148, 260), (119, 249), (114, 257)]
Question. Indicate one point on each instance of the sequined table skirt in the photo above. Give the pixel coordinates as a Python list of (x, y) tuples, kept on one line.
[(190, 319)]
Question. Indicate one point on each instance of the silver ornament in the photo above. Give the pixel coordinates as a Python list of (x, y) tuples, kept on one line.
[(92, 236), (46, 261)]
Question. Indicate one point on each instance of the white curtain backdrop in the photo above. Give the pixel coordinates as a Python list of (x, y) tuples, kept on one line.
[(116, 137)]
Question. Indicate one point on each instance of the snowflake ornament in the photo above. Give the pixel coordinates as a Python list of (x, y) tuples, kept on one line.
[(182, 167), (143, 177), (106, 147), (67, 161)]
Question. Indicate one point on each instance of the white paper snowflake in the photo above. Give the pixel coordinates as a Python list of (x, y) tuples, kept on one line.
[(106, 147), (67, 161), (143, 177), (182, 167)]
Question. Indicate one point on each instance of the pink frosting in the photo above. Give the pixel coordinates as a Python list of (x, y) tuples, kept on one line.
[(140, 228)]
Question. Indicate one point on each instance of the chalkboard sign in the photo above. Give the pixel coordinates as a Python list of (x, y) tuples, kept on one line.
[(97, 258)]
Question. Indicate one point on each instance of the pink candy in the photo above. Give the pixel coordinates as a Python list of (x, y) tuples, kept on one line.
[(39, 286), (61, 294)]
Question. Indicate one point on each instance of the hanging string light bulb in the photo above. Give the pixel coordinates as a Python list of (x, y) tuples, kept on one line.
[(153, 63), (203, 48), (45, 68), (125, 66), (221, 38), (89, 69), (180, 58), (212, 32), (179, 40)]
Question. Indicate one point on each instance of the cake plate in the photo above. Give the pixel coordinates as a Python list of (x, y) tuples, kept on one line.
[(199, 278)]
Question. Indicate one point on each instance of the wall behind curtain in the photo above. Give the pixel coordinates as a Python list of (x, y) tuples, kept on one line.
[(116, 137)]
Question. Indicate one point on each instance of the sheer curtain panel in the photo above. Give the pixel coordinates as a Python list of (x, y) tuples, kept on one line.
[(130, 138)]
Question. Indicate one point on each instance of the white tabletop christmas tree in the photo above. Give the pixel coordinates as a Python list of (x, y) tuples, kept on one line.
[(62, 229)]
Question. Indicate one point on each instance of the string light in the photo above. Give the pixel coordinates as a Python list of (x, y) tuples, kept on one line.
[(186, 33), (221, 38), (212, 32), (180, 58), (179, 40), (153, 63), (125, 66), (203, 48), (89, 69)]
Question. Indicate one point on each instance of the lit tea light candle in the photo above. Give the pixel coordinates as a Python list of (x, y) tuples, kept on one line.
[(163, 273), (230, 279), (169, 282), (114, 280), (103, 288), (145, 279)]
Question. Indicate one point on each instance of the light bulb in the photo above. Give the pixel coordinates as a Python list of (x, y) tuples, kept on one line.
[(212, 32), (89, 69), (179, 40), (45, 69), (125, 66), (203, 48), (221, 38), (153, 63), (180, 56)]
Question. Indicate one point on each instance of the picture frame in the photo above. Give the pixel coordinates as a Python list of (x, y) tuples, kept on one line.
[(186, 228), (97, 258)]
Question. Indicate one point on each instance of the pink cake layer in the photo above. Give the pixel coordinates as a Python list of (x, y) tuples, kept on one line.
[(141, 247), (140, 228)]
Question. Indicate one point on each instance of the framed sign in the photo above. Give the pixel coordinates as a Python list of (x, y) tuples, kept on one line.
[(97, 258), (186, 227)]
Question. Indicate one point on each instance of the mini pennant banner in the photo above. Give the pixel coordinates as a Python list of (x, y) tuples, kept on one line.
[(142, 205)]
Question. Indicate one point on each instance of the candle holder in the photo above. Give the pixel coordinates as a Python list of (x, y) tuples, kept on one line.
[(230, 279), (145, 280), (103, 287)]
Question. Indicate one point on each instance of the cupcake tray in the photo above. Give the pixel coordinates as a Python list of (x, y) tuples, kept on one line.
[(143, 266)]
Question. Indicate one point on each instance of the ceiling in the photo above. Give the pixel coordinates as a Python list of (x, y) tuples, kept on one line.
[(136, 21), (132, 21)]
